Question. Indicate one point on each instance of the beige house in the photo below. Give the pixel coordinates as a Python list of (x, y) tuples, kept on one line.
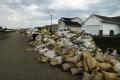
[(70, 23)]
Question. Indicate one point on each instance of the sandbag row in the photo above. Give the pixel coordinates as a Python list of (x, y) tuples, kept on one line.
[(77, 53)]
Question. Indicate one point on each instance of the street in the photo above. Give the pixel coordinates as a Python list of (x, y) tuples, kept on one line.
[(17, 62)]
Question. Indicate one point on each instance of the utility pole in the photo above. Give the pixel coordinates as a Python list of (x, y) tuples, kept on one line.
[(51, 20)]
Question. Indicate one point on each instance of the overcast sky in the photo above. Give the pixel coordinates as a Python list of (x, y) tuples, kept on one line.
[(31, 13)]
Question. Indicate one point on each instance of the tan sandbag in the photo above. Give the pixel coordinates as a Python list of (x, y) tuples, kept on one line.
[(105, 66), (113, 61), (75, 71), (54, 62), (116, 67), (43, 59), (86, 76), (66, 66), (110, 76), (91, 62), (106, 58), (85, 66), (86, 54), (97, 76), (74, 59), (99, 57), (79, 64), (69, 55)]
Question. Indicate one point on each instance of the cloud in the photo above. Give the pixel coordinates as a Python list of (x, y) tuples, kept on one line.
[(31, 13)]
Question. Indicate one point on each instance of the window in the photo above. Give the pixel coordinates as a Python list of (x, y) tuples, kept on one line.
[(100, 32), (111, 32)]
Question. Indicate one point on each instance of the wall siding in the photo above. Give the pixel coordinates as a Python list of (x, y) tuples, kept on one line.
[(92, 25), (77, 20), (94, 30), (107, 27), (92, 21), (76, 28), (62, 26)]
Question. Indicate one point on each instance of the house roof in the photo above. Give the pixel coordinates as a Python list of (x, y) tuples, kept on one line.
[(115, 20), (67, 19), (0, 27), (52, 27), (72, 23)]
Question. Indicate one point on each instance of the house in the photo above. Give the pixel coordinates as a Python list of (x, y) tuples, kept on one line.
[(1, 29), (72, 23), (101, 25), (53, 27)]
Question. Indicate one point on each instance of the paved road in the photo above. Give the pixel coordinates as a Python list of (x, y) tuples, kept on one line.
[(18, 63)]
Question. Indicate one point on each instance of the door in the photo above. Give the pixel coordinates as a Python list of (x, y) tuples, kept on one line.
[(100, 32), (111, 32)]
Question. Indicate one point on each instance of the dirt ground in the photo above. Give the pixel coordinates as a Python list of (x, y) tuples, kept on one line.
[(18, 62)]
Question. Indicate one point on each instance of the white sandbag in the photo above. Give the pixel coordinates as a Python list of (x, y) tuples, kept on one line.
[(38, 37), (50, 54), (69, 35), (45, 39), (67, 42), (43, 51), (78, 39), (40, 46), (78, 53), (50, 41), (87, 44)]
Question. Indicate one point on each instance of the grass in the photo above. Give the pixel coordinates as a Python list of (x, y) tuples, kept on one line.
[(107, 42)]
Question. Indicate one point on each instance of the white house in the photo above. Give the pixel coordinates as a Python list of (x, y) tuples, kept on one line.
[(101, 25), (66, 23)]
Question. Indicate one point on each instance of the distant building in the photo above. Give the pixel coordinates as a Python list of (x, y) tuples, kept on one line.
[(1, 29), (101, 25), (66, 23), (53, 27)]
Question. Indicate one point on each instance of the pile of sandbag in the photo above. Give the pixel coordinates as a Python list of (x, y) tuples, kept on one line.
[(78, 54)]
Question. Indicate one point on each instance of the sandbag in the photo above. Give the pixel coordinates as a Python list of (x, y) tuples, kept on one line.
[(99, 57), (74, 70), (116, 67), (85, 66), (105, 66), (86, 76), (50, 54), (74, 59), (106, 58), (98, 76), (66, 66), (86, 54), (113, 61), (79, 64), (43, 59), (68, 55), (91, 62), (110, 76), (56, 61)]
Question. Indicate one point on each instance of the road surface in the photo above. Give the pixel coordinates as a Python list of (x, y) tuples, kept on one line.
[(17, 62)]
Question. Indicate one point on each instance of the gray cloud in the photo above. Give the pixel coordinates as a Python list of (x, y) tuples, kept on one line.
[(25, 13)]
